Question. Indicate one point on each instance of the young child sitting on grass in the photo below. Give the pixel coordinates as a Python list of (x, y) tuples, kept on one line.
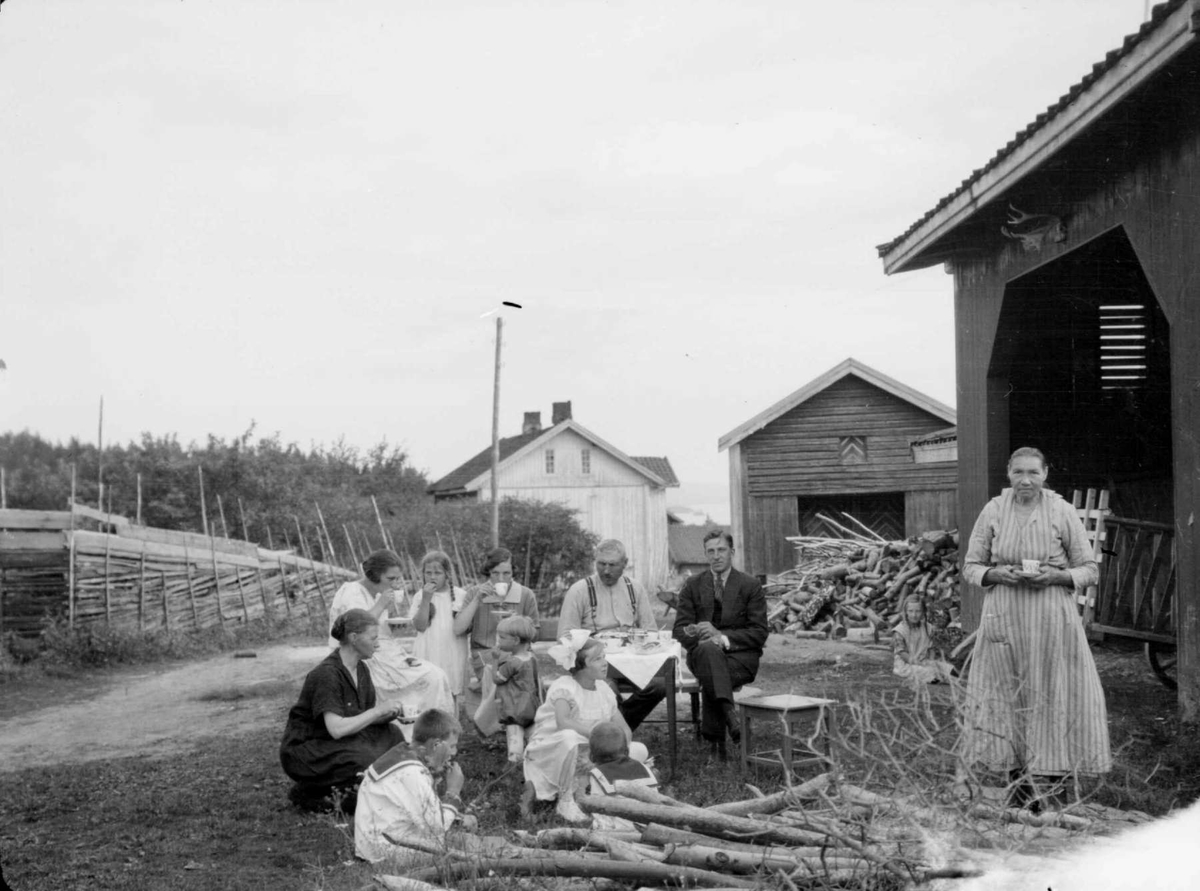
[(611, 762), (914, 655), (518, 692), (397, 794), (609, 749)]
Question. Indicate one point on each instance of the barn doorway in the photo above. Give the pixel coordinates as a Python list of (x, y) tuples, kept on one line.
[(882, 512), (1083, 355)]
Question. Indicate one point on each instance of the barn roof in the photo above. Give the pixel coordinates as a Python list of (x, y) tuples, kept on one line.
[(473, 474), (1141, 55), (832, 376)]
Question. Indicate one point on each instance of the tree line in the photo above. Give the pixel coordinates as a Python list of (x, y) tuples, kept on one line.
[(268, 491)]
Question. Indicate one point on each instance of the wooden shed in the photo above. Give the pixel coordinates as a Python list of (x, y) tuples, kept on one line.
[(841, 444), (1075, 253)]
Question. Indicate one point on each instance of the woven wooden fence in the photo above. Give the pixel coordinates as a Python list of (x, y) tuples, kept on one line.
[(140, 578)]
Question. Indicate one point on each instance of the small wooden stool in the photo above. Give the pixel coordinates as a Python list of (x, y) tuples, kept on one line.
[(805, 731)]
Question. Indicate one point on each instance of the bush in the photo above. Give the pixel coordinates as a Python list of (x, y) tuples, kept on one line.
[(97, 646)]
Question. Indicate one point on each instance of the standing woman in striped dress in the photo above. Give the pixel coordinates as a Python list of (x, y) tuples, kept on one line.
[(1034, 705)]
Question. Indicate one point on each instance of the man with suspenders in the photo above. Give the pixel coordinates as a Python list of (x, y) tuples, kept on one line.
[(609, 600)]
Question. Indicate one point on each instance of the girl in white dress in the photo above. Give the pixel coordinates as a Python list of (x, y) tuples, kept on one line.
[(434, 612), (557, 751), (415, 684)]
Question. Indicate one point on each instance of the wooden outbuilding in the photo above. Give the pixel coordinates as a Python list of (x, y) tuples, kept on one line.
[(841, 444), (1075, 253)]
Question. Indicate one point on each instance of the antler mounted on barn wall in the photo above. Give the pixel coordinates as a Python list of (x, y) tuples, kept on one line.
[(1034, 230)]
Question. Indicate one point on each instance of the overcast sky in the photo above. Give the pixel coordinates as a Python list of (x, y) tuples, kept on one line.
[(293, 213)]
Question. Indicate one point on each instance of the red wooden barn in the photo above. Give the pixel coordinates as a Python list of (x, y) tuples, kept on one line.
[(1075, 253)]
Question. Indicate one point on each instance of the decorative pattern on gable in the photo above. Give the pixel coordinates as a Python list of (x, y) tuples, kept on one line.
[(852, 450)]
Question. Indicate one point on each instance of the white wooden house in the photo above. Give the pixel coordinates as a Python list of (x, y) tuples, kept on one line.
[(616, 495)]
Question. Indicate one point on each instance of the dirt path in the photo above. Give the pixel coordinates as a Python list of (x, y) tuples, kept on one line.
[(158, 710)]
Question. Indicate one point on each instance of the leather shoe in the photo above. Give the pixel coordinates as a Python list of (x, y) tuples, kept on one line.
[(732, 721)]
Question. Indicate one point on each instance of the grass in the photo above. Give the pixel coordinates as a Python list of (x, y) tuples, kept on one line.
[(218, 818)]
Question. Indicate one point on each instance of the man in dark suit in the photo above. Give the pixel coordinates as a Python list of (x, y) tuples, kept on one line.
[(722, 623)]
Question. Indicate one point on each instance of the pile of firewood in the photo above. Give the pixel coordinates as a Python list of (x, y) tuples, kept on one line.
[(861, 582), (816, 835)]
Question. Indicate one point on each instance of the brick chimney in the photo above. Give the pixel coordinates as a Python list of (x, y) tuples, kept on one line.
[(532, 423), (561, 412)]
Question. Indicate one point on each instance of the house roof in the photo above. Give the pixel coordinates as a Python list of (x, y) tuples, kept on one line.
[(456, 480), (685, 544), (660, 467), (832, 376), (1141, 55), (473, 474)]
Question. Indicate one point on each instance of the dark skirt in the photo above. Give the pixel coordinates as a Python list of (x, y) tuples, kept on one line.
[(338, 762)]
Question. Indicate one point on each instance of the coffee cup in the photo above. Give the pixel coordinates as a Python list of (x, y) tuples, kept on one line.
[(664, 634), (501, 589), (1030, 566)]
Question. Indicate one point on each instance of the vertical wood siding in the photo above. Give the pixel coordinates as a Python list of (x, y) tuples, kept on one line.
[(931, 509), (738, 505), (635, 515), (770, 519)]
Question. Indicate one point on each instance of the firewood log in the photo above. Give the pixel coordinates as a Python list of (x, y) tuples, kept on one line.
[(660, 835), (572, 865), (400, 883), (698, 819), (578, 837), (770, 804)]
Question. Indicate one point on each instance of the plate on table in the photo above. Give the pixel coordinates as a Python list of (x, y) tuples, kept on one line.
[(649, 648)]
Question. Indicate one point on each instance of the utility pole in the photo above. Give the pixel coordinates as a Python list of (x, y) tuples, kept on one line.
[(100, 458), (496, 442)]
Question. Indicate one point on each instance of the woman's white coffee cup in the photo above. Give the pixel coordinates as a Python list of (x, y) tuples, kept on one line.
[(1030, 566), (501, 589)]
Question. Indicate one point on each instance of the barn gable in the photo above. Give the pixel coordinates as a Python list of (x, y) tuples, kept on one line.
[(842, 444)]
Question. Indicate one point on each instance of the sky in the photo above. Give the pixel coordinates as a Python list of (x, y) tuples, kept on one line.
[(301, 215)]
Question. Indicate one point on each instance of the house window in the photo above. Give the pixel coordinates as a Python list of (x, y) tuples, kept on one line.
[(1123, 344), (549, 460), (852, 450), (585, 460)]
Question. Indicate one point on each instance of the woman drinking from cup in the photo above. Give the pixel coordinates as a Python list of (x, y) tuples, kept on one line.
[(416, 684), (486, 604), (441, 637)]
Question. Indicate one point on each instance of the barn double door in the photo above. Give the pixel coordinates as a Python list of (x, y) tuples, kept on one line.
[(883, 512)]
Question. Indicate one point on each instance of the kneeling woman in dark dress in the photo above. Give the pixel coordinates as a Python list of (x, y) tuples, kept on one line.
[(336, 730)]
